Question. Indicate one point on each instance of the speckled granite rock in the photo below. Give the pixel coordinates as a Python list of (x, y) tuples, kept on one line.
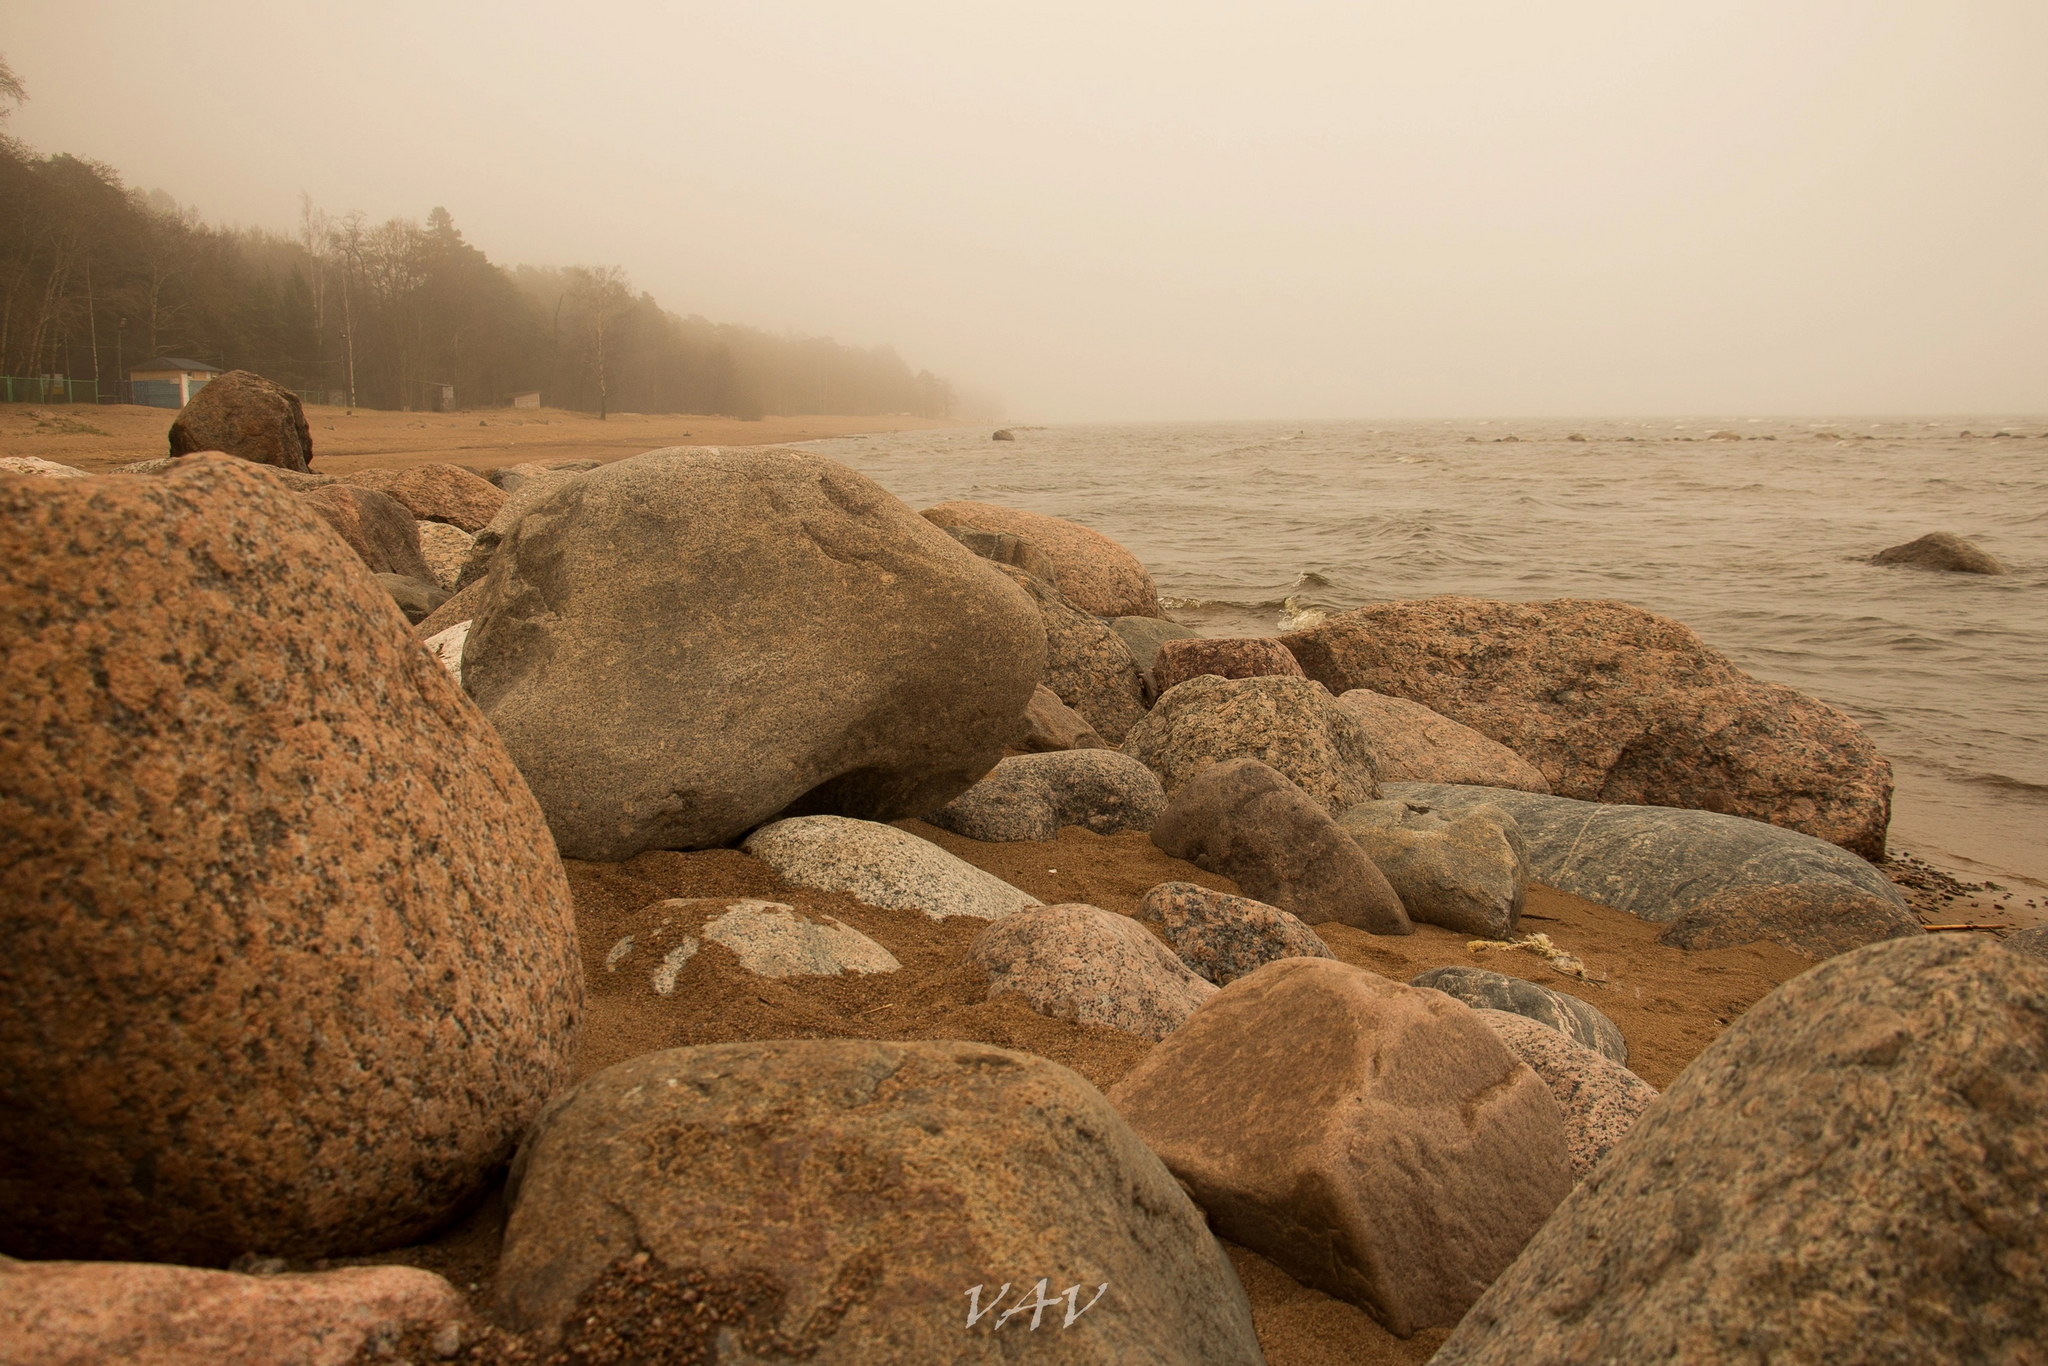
[(1579, 1021), (882, 866), (1249, 823), (1091, 571), (417, 598), (1004, 548), (1144, 636), (1030, 796), (526, 488), (1087, 665), (291, 961), (445, 548), (437, 493), (1614, 704), (1091, 966), (1654, 861), (1943, 550), (1290, 724), (247, 417), (1051, 725), (1412, 744), (1376, 1142), (1599, 1098), (150, 1314), (1466, 870), (772, 940), (879, 1183), (1222, 937), (460, 607), (382, 534), (446, 648), (1855, 1167), (834, 653), (1813, 919), (1225, 656), (2033, 942), (30, 464)]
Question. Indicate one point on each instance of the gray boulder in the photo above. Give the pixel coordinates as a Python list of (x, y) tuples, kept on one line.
[(1599, 1099), (680, 646), (1050, 724), (446, 549), (1087, 665), (1144, 636), (1577, 1020), (1289, 724), (1813, 919), (2033, 942), (1941, 550), (417, 598), (1030, 796), (533, 486), (36, 465), (1412, 744), (882, 866), (889, 1202), (772, 940), (1090, 966), (1249, 823), (1224, 937), (1853, 1171), (1465, 870), (1656, 862), (1004, 548)]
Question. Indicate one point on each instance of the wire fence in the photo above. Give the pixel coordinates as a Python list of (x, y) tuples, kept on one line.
[(49, 389)]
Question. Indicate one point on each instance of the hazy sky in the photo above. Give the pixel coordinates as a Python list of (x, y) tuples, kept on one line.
[(1104, 210)]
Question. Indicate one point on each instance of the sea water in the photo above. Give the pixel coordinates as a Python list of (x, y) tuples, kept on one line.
[(1756, 533)]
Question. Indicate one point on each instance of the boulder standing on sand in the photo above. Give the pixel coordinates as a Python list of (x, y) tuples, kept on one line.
[(248, 417), (291, 962), (1941, 550), (679, 647)]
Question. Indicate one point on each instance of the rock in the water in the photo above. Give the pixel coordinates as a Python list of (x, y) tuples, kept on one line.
[(1091, 571), (1654, 861), (1052, 725), (1614, 704), (1287, 723), (680, 646), (1225, 656), (384, 535), (1412, 744), (772, 940), (248, 417), (437, 493), (291, 959), (30, 464), (1224, 937), (2033, 942), (1004, 434), (1090, 966), (1813, 919), (1577, 1020), (1376, 1142), (1941, 550), (446, 648), (890, 1202), (446, 549), (1855, 1169), (1599, 1098), (882, 866), (1249, 823), (417, 598), (1087, 665), (77, 1313), (1465, 870), (1144, 636), (1004, 548), (1030, 796)]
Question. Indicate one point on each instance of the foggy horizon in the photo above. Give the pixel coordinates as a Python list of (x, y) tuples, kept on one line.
[(1178, 213)]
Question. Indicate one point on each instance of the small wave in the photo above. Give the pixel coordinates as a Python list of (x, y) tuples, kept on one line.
[(1296, 615), (2019, 786), (1308, 578)]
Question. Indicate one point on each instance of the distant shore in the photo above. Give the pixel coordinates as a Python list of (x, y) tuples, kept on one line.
[(100, 438)]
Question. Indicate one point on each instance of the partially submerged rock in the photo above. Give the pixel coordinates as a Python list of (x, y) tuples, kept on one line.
[(1225, 656), (248, 417), (1091, 571), (1412, 744), (882, 866), (1090, 966), (1466, 870), (1813, 919), (1289, 724), (1223, 937), (1941, 550), (1579, 1021), (1031, 796), (1598, 1097)]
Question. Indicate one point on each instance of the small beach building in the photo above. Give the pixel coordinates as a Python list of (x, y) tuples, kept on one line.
[(168, 381)]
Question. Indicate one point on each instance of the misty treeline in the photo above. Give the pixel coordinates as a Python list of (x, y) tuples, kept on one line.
[(98, 277)]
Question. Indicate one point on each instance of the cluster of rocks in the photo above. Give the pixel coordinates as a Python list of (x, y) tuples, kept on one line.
[(295, 972)]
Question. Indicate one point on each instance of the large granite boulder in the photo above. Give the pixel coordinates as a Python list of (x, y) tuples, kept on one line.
[(1249, 823), (1290, 724), (1377, 1142), (1225, 656), (680, 646), (1004, 548), (1087, 665), (1223, 937), (882, 866), (1090, 966), (248, 417), (1580, 1021), (883, 1202), (1941, 550), (1855, 1169), (1412, 744), (1144, 636), (437, 493), (1655, 861), (150, 1314), (446, 549), (1614, 704), (1031, 796), (291, 960), (1091, 571), (1465, 870), (383, 535), (529, 491), (1050, 725), (1813, 919), (34, 464), (1599, 1098)]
